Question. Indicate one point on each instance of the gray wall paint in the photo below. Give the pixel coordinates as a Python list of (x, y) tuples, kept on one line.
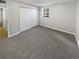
[(14, 15), (62, 17)]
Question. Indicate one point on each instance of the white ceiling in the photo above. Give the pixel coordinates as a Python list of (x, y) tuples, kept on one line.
[(44, 2)]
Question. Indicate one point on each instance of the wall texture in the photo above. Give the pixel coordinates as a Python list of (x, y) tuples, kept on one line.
[(77, 31), (14, 16), (62, 17)]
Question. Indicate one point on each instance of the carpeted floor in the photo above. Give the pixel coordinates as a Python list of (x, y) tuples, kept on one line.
[(40, 43)]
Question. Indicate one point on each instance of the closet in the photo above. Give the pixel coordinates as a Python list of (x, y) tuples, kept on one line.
[(28, 18)]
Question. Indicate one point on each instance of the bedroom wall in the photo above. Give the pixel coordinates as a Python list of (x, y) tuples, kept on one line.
[(14, 16), (62, 17), (77, 27)]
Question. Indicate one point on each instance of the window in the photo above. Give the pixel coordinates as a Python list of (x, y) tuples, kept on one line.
[(46, 12)]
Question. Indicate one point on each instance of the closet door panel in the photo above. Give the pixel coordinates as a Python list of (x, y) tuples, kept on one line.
[(25, 19)]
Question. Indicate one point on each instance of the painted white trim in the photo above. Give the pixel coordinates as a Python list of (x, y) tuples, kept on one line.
[(76, 36), (14, 34), (64, 31), (58, 30), (28, 29), (20, 32)]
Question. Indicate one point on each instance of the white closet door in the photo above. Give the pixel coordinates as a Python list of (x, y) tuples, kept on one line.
[(25, 19), (28, 18), (34, 17)]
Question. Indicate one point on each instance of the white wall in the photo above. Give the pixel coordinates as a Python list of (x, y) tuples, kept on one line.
[(14, 15), (62, 17), (77, 29)]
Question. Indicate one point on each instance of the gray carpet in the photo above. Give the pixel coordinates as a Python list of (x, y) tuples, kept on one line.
[(40, 43)]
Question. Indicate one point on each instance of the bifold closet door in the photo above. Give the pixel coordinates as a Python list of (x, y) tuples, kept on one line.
[(25, 19)]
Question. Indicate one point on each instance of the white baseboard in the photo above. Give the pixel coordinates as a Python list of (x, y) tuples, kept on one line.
[(14, 34), (20, 32), (76, 36), (59, 30)]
